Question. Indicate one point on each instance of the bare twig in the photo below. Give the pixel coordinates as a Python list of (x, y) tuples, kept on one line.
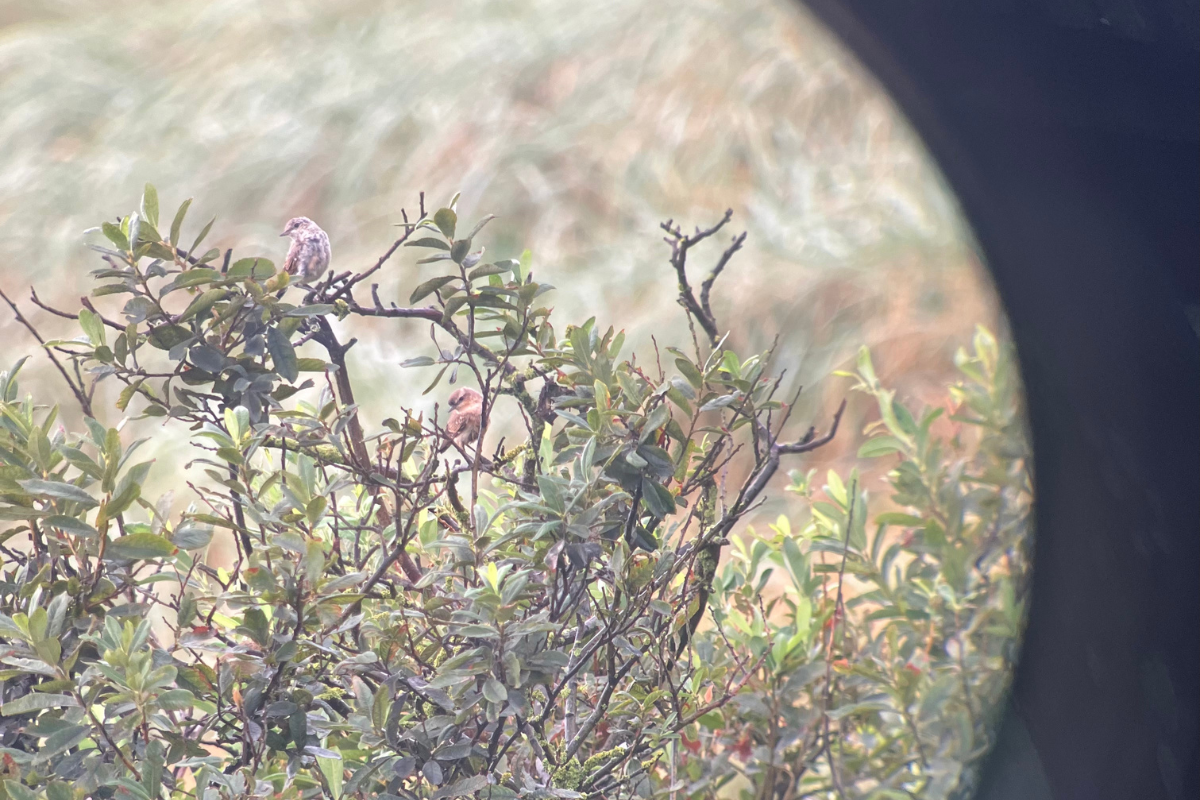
[(680, 244), (84, 401)]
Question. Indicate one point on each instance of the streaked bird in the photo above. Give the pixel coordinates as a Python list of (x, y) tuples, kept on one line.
[(466, 417), (308, 257)]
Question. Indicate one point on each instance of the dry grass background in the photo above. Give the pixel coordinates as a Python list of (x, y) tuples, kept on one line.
[(581, 125)]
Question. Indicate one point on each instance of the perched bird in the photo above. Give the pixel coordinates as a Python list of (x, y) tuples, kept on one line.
[(308, 257), (466, 416)]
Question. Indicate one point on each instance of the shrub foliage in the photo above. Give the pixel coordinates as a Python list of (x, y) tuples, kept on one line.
[(578, 615)]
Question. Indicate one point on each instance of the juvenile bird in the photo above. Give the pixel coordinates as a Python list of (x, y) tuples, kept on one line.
[(466, 415), (308, 257)]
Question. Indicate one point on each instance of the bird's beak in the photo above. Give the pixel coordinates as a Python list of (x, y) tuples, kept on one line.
[(283, 234)]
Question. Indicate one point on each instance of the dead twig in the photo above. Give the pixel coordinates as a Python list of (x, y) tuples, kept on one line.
[(84, 401)]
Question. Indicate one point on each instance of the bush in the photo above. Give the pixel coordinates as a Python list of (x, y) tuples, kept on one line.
[(409, 616), (880, 665)]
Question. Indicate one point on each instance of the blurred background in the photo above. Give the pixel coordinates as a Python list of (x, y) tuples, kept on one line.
[(582, 126)]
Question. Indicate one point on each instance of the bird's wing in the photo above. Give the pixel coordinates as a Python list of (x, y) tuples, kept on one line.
[(293, 256), (463, 425), (456, 424)]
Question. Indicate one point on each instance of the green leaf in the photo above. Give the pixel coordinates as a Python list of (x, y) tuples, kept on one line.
[(128, 489), (191, 536), (132, 787), (283, 355), (418, 361), (494, 691), (479, 225), (176, 699), (18, 791), (467, 787), (237, 422), (152, 771), (166, 337), (904, 418), (115, 235), (524, 266), (112, 458), (177, 223), (550, 492), (446, 220), (432, 771), (429, 287), (865, 368), (332, 769), (135, 224), (659, 499), (315, 509), (208, 358), (201, 304), (71, 525), (127, 394), (203, 232), (92, 325), (428, 241), (793, 559), (314, 560), (59, 790), (256, 268), (484, 270), (59, 491), (140, 547), (311, 310), (689, 371), (730, 363), (195, 277), (658, 417), (453, 305), (35, 701), (719, 402), (880, 446), (150, 204)]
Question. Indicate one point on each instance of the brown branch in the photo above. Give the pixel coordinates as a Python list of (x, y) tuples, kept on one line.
[(808, 442), (104, 732), (431, 313), (410, 227), (358, 448), (707, 284), (436, 316), (680, 244), (84, 402), (767, 469)]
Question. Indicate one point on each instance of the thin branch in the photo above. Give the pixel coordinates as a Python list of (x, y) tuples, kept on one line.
[(84, 402), (838, 612), (769, 466), (680, 244), (707, 284)]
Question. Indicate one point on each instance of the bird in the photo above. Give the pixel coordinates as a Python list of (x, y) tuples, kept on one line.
[(308, 257), (466, 417)]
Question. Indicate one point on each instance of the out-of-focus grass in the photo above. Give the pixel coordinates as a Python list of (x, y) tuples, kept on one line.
[(581, 125)]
